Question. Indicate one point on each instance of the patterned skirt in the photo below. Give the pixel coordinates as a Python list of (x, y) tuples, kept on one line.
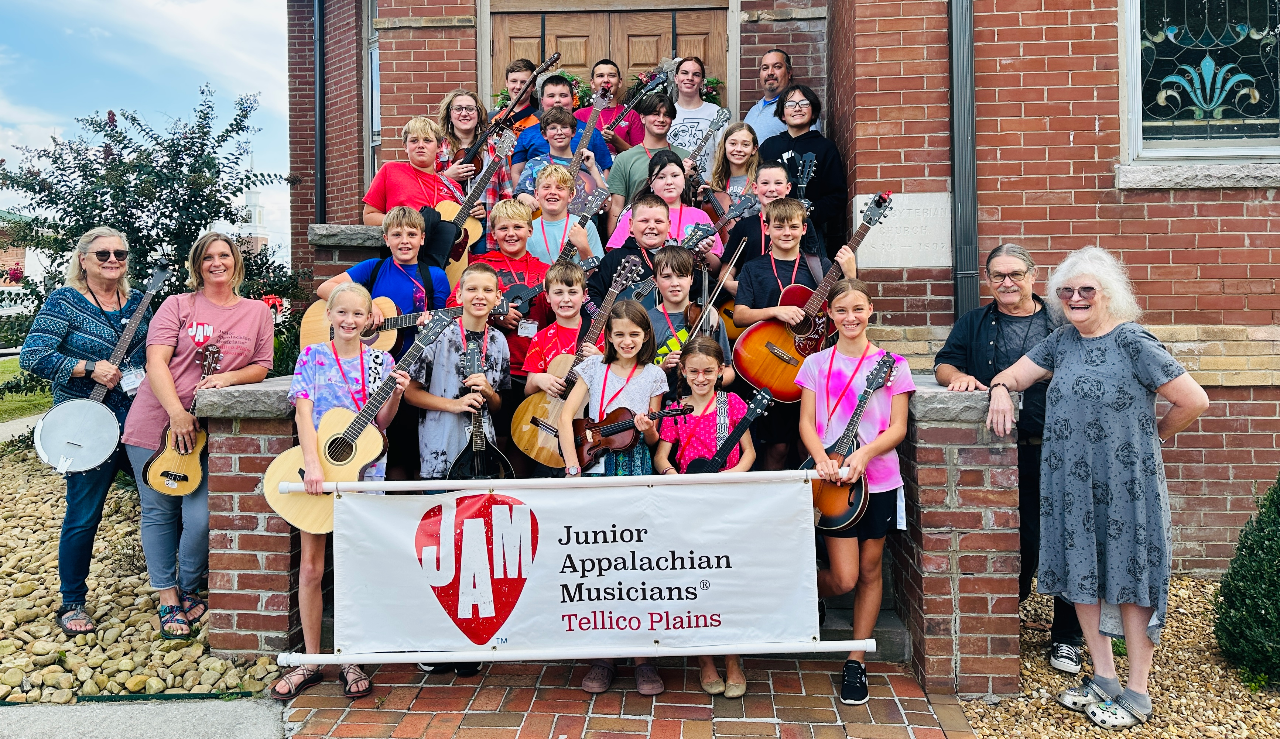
[(635, 461)]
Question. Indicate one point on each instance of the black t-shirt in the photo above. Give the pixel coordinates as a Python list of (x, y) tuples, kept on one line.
[(755, 231), (758, 287)]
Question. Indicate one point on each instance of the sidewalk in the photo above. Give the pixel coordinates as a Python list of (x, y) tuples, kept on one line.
[(789, 699)]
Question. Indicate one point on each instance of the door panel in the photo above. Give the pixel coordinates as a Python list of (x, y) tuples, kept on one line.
[(581, 39), (703, 34), (514, 37), (639, 40)]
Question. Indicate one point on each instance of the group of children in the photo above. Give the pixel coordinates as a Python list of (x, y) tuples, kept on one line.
[(650, 354)]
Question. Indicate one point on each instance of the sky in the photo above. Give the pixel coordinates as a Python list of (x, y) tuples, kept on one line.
[(67, 59)]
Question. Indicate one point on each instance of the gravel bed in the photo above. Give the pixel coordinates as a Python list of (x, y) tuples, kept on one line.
[(38, 663), (1194, 692)]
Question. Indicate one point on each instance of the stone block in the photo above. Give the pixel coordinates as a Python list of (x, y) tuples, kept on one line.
[(335, 236), (266, 399)]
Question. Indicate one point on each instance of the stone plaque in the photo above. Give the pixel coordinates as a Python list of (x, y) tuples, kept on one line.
[(916, 233)]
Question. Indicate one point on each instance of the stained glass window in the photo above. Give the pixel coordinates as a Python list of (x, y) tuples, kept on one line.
[(1210, 72)]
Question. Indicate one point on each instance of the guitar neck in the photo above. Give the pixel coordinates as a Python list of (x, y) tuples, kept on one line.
[(122, 346), (382, 393), (576, 165), (814, 304), (731, 441), (845, 442), (477, 189), (410, 320), (630, 106)]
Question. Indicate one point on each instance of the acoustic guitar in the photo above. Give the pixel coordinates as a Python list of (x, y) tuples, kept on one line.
[(478, 460), (534, 424), (840, 506), (459, 214), (758, 406), (769, 353), (349, 442), (80, 434), (170, 471), (616, 432)]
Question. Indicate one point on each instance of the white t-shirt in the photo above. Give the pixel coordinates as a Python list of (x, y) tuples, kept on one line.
[(689, 127)]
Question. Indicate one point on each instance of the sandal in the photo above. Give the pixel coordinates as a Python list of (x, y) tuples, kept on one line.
[(67, 614), (1116, 714), (599, 678), (347, 679), (310, 676), (191, 601), (1080, 698), (173, 616), (648, 681)]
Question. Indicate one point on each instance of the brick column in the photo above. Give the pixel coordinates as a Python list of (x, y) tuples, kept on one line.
[(957, 567), (253, 553)]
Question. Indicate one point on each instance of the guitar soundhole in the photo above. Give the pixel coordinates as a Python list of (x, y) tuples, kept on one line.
[(340, 450), (803, 328)]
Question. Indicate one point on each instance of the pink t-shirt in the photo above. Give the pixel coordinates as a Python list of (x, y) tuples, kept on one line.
[(242, 331), (696, 434), (630, 130), (683, 219), (883, 472)]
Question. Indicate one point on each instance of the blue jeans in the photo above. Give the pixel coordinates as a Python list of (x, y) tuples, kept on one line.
[(175, 529), (86, 493)]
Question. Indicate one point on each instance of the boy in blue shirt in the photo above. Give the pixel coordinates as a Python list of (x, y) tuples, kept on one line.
[(556, 93)]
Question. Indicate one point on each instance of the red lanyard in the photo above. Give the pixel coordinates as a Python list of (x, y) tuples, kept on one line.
[(826, 382), (667, 316), (524, 279), (774, 263), (435, 187), (564, 237), (764, 236), (364, 392), (650, 153), (644, 254), (406, 274), (484, 347), (605, 385)]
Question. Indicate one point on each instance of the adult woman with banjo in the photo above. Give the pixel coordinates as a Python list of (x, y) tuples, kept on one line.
[(181, 333), (70, 344)]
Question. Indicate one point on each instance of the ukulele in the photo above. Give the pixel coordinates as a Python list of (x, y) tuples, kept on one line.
[(769, 353), (502, 122), (533, 425), (840, 506), (460, 214), (170, 471), (478, 460), (520, 297), (349, 442), (758, 406), (80, 434), (616, 432)]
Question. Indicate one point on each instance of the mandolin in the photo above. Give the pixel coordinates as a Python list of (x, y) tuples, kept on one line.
[(349, 442), (78, 435), (170, 471), (533, 425), (616, 432), (460, 213), (769, 353), (758, 406), (717, 203), (840, 506), (478, 460)]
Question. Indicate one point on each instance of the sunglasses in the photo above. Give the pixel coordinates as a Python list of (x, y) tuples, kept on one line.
[(104, 255), (1086, 293)]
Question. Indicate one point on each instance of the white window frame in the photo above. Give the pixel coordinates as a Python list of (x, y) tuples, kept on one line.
[(1131, 143)]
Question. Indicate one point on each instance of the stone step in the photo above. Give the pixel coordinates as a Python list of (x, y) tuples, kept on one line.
[(893, 642)]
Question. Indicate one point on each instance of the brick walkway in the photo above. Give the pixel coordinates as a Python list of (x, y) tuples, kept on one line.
[(789, 699)]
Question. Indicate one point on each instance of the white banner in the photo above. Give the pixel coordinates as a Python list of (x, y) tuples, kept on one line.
[(613, 567)]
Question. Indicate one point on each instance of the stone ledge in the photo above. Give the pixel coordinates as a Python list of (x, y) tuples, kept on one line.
[(932, 402), (786, 14), (1195, 176), (438, 21), (266, 399), (335, 235)]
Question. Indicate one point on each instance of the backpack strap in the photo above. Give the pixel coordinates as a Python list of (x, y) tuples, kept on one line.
[(373, 275), (428, 286)]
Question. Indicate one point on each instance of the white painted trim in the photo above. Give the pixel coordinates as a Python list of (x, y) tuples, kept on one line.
[(484, 54), (499, 654), (733, 59), (568, 483)]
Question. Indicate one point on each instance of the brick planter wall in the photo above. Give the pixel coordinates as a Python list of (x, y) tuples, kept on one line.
[(956, 568)]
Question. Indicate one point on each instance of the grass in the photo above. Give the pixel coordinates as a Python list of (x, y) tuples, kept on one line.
[(20, 406)]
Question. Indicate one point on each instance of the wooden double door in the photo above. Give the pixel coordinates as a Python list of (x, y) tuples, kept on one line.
[(636, 40)]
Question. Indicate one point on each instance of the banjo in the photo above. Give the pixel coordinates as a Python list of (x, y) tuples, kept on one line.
[(78, 435)]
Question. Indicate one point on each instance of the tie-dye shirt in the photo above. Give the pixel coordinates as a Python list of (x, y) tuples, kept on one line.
[(316, 377)]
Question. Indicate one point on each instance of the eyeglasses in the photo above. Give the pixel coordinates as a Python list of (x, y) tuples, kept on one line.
[(998, 278), (1086, 293), (794, 104), (702, 372), (103, 255), (464, 109)]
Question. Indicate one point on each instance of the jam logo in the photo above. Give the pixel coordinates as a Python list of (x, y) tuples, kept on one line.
[(200, 333), (476, 552)]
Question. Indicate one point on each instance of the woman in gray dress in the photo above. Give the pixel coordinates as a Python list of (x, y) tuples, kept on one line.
[(1104, 508)]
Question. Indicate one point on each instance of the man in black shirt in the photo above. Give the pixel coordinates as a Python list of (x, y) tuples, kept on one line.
[(984, 342)]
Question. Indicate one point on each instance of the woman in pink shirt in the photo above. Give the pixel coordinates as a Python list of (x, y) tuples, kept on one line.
[(832, 381), (182, 330)]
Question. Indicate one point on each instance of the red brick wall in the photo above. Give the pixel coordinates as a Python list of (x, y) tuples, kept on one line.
[(804, 39), (302, 130)]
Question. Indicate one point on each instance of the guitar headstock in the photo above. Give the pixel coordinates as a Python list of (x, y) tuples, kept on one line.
[(594, 202), (760, 403), (805, 172), (590, 263), (501, 309), (627, 273), (601, 99), (210, 357), (657, 80), (879, 376), (158, 278), (877, 208), (471, 360), (505, 145), (717, 123), (747, 206), (697, 234)]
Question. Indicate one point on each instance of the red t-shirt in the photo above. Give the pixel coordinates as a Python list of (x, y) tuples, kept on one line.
[(400, 183), (550, 343), (631, 130), (525, 270)]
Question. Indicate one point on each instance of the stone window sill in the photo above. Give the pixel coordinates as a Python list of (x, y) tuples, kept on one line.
[(1196, 176)]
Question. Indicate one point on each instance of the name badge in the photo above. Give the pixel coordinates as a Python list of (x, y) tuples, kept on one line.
[(527, 329), (131, 379)]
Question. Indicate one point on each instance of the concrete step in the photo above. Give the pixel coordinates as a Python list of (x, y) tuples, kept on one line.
[(893, 642)]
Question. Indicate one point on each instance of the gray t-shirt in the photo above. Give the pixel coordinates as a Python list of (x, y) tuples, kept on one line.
[(442, 435), (737, 187), (648, 381), (662, 333), (1014, 337)]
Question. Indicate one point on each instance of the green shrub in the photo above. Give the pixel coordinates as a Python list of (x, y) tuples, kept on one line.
[(1248, 605)]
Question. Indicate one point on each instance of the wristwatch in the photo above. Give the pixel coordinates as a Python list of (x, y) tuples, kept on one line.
[(89, 367), (572, 471)]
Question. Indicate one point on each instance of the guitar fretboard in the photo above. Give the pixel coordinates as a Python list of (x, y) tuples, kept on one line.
[(122, 346), (845, 442), (477, 189), (410, 320), (814, 304)]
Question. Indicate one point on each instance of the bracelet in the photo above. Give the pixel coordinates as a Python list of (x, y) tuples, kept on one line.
[(666, 470), (995, 385)]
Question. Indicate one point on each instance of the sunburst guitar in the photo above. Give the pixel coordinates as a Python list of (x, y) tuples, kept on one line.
[(169, 471)]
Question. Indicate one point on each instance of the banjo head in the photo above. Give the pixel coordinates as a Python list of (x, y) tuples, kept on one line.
[(77, 435)]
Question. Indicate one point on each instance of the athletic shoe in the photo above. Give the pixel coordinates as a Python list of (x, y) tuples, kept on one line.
[(443, 669), (1066, 657), (853, 684), (466, 669)]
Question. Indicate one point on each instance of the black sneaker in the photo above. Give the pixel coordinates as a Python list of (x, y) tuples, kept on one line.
[(853, 684), (1065, 657), (822, 612), (466, 669), (443, 669)]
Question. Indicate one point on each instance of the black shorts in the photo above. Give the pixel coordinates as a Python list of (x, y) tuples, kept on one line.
[(512, 397), (780, 426), (877, 522), (402, 440)]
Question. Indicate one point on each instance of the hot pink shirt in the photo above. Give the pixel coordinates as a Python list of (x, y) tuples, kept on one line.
[(883, 472), (695, 435), (242, 331)]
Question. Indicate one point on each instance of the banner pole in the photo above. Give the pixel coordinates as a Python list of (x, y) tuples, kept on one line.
[(292, 659), (589, 483)]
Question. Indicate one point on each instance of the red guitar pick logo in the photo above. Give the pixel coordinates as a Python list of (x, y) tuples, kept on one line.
[(477, 551)]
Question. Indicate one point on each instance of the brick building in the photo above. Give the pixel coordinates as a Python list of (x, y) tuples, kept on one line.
[(1049, 124)]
